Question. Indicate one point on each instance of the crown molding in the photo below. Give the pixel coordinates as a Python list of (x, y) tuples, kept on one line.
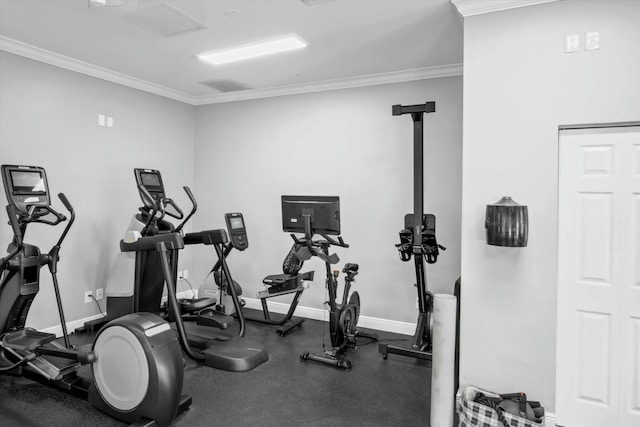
[(62, 61), (479, 7), (346, 83)]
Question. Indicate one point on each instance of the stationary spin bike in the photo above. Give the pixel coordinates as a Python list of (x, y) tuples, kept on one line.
[(320, 215), (136, 363)]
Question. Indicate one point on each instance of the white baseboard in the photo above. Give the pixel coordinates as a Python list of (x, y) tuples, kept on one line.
[(403, 328), (320, 314), (549, 419)]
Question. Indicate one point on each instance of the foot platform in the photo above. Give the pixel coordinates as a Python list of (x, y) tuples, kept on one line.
[(234, 358)]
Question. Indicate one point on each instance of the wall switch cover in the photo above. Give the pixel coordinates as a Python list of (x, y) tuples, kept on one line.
[(572, 43), (592, 40)]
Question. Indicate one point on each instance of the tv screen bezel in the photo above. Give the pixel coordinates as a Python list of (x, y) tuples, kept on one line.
[(331, 227)]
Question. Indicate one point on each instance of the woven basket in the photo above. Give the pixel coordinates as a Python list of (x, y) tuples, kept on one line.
[(472, 414)]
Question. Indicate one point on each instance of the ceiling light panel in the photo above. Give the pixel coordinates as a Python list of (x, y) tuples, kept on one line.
[(239, 53)]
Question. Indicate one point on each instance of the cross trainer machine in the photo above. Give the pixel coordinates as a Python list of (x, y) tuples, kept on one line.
[(418, 240), (156, 247), (136, 363), (320, 215), (290, 281)]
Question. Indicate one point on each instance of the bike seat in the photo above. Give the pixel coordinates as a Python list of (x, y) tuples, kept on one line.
[(278, 279)]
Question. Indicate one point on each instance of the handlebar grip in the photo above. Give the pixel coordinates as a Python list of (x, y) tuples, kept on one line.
[(169, 202), (65, 202), (11, 212), (189, 194)]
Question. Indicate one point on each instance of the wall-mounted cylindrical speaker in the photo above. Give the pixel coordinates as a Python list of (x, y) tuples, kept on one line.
[(507, 223)]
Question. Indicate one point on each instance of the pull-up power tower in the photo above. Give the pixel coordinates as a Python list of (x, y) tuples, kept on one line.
[(418, 240)]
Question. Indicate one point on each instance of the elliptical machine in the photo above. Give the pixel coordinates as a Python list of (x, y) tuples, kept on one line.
[(144, 385), (320, 215), (155, 244), (418, 240)]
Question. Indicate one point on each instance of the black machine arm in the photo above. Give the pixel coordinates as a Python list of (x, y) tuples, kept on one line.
[(53, 258), (308, 248), (160, 204), (40, 214), (148, 198), (68, 206), (332, 241), (319, 243), (194, 207), (17, 237)]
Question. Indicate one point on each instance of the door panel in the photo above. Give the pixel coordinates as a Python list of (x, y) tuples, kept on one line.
[(598, 335), (593, 358), (595, 240), (630, 298)]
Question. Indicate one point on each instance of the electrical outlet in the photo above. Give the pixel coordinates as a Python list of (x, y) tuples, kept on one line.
[(99, 294), (185, 274), (87, 297), (179, 274)]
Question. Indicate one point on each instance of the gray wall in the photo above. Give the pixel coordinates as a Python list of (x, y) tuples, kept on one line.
[(346, 143), (48, 117), (519, 86), (247, 154)]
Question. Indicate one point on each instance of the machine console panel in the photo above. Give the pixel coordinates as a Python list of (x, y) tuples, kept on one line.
[(237, 230), (152, 181), (25, 187)]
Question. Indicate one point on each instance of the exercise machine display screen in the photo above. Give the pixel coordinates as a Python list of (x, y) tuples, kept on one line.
[(320, 213), (236, 223), (152, 181), (27, 182), (25, 186), (237, 230)]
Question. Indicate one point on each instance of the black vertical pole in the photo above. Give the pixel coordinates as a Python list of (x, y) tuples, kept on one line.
[(418, 209), (418, 176)]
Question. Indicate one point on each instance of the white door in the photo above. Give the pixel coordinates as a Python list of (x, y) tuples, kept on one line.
[(598, 334)]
